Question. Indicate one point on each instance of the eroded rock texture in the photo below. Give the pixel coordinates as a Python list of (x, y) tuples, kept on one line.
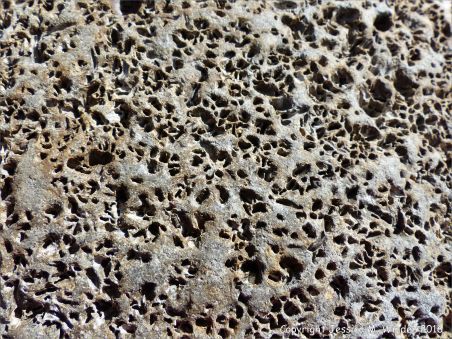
[(224, 168)]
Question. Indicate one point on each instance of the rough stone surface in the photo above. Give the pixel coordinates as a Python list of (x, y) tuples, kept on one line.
[(224, 168)]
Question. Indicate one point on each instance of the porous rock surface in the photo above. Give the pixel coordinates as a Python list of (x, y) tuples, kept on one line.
[(224, 168)]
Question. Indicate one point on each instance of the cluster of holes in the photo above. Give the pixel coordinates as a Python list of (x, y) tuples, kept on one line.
[(155, 157)]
